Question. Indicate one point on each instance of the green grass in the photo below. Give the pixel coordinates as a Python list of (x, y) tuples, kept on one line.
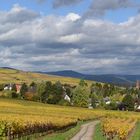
[(136, 135), (63, 136), (98, 133)]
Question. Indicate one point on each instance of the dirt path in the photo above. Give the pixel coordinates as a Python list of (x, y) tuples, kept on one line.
[(86, 132)]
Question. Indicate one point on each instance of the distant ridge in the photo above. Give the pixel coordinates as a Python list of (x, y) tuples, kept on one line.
[(122, 80), (10, 75), (128, 80), (8, 68)]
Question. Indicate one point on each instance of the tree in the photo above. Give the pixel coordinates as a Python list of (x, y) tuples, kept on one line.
[(68, 92), (129, 102), (56, 93), (1, 87), (33, 84), (93, 100), (83, 83), (14, 88), (81, 96), (106, 90), (97, 89), (41, 90), (23, 90), (113, 90)]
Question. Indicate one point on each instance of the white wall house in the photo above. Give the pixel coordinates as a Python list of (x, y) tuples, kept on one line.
[(8, 87), (67, 98)]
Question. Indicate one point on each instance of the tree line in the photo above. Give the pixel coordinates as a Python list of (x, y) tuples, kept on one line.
[(96, 95)]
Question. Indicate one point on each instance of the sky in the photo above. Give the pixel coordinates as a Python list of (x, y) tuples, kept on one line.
[(88, 36)]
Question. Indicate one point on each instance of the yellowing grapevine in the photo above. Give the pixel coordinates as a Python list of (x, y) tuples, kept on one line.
[(116, 127), (20, 118)]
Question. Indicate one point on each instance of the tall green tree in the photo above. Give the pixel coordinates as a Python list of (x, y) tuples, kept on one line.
[(33, 84), (81, 96), (94, 98), (14, 88), (129, 102), (1, 87), (23, 90), (41, 90), (56, 93)]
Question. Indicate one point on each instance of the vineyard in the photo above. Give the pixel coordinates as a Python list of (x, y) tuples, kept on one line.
[(20, 118), (117, 128)]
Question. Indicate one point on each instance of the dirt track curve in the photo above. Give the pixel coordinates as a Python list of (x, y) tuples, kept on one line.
[(86, 132)]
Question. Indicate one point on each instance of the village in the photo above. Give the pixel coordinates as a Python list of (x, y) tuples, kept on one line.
[(99, 96)]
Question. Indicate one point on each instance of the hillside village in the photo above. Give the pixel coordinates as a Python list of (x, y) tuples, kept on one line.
[(96, 95)]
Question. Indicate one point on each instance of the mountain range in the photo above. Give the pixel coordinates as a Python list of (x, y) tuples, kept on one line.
[(124, 80), (117, 79)]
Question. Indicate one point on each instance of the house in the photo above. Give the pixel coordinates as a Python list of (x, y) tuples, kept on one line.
[(138, 109), (8, 87), (107, 100), (67, 98), (137, 84), (18, 87)]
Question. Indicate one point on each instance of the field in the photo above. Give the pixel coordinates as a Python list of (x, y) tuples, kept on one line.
[(16, 76), (19, 118)]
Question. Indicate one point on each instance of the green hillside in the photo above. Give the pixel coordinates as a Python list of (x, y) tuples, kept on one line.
[(17, 76)]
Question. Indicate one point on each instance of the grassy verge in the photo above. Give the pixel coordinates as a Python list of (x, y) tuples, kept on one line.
[(98, 133), (136, 135), (58, 135), (66, 135)]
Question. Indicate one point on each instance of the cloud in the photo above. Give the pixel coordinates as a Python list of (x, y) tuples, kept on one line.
[(61, 3), (52, 42), (17, 14), (100, 7)]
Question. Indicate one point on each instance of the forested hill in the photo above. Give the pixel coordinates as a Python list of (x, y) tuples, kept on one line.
[(105, 78), (66, 76)]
